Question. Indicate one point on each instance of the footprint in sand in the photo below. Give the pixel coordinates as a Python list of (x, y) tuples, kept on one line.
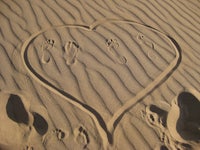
[(81, 136), (40, 124), (18, 121), (60, 134), (46, 46), (143, 40), (16, 110), (156, 116), (183, 119), (54, 136), (71, 49), (112, 46)]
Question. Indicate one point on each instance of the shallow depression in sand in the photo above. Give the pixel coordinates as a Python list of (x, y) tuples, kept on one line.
[(183, 119)]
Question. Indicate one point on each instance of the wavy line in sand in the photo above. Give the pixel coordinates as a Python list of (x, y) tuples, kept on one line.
[(105, 130)]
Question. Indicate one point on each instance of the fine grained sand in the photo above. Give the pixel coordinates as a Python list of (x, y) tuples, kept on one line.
[(99, 75)]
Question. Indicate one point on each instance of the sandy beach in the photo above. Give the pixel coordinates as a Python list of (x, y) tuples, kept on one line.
[(99, 75)]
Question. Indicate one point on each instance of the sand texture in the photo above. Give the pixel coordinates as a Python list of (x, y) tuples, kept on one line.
[(102, 75)]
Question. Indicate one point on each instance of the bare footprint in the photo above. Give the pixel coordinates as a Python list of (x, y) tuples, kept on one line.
[(155, 116), (46, 46), (142, 39), (82, 137), (16, 110), (60, 134), (71, 49), (112, 45), (183, 120), (56, 135), (40, 124)]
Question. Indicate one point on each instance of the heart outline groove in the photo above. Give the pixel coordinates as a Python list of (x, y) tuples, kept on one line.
[(106, 130)]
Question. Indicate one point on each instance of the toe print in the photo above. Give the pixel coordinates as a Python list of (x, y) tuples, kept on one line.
[(82, 137), (60, 134), (156, 116)]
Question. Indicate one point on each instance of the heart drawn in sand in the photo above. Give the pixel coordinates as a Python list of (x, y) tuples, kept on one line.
[(103, 69)]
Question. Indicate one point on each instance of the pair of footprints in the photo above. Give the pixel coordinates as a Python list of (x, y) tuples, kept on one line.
[(17, 112), (71, 49), (80, 134), (113, 45)]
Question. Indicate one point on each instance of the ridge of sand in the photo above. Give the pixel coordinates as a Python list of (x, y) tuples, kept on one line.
[(103, 65), (105, 130)]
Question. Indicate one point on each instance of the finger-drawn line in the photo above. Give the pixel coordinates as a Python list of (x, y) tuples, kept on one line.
[(105, 130)]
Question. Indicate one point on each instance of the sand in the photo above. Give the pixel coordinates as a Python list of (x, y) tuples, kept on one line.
[(105, 75)]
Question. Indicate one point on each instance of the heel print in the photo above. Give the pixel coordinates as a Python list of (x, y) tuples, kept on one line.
[(45, 57)]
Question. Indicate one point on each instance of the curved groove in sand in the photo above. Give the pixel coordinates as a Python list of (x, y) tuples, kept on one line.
[(173, 65), (105, 130), (95, 116)]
